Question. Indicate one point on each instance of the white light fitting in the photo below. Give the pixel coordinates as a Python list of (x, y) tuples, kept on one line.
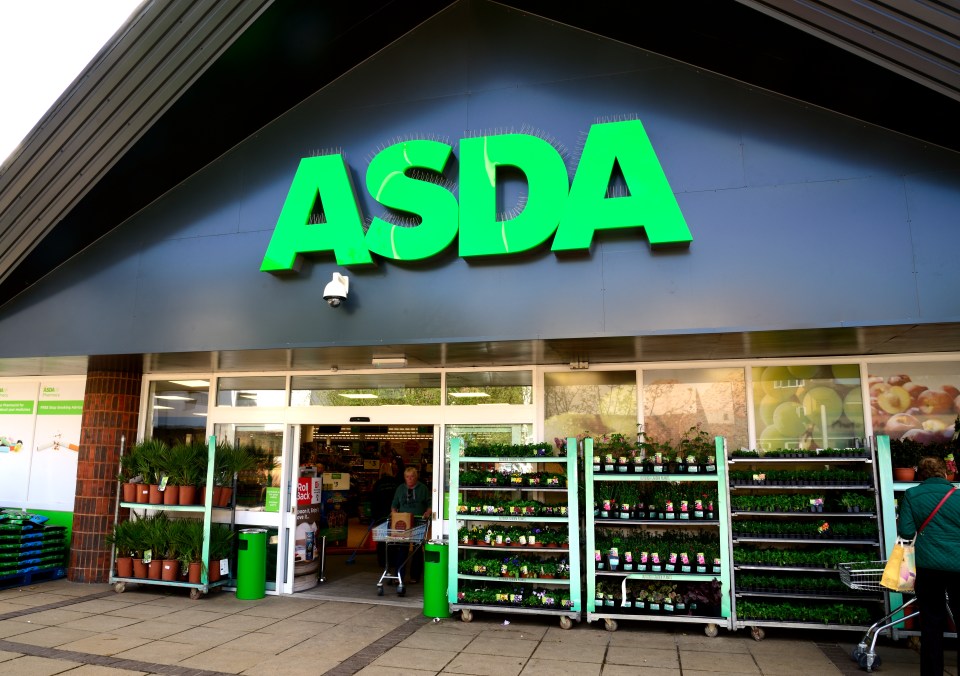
[(389, 361), (358, 396), (471, 395), (191, 383), (172, 397)]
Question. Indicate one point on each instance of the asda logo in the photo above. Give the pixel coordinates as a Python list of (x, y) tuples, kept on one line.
[(568, 212)]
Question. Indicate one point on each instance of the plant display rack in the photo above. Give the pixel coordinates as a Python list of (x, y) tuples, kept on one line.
[(206, 510), (30, 551), (890, 492), (719, 523), (856, 531), (523, 586)]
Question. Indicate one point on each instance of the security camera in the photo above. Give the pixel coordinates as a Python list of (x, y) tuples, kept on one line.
[(336, 291)]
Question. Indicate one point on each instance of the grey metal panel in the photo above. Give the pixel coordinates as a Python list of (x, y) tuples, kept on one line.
[(787, 244), (147, 65)]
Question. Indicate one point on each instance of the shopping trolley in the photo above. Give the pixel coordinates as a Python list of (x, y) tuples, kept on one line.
[(866, 576), (394, 537)]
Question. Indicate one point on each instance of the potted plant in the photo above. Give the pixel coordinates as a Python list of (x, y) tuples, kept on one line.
[(148, 456), (170, 563), (189, 545), (125, 541), (126, 476), (904, 456), (155, 543), (221, 547)]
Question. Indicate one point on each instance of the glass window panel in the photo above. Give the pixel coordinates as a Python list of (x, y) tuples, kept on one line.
[(808, 406), (590, 403), (409, 389), (490, 387), (251, 391), (266, 443), (676, 400), (915, 400), (178, 410)]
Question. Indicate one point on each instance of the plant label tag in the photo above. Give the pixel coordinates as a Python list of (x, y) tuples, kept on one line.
[(148, 556), (224, 566), (163, 482)]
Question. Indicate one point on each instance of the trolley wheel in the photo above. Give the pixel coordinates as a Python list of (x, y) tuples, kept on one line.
[(609, 625), (857, 652), (380, 590), (758, 633), (195, 593), (862, 662), (119, 587), (711, 630), (566, 622), (466, 615), (401, 591)]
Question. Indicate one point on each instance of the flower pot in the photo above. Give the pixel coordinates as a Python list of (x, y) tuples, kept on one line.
[(155, 497), (193, 572), (213, 571), (169, 569), (139, 568), (125, 566), (226, 493), (155, 569), (143, 494), (129, 492), (188, 495), (171, 495), (903, 474)]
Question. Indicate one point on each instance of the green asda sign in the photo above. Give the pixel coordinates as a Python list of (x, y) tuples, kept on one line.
[(570, 213)]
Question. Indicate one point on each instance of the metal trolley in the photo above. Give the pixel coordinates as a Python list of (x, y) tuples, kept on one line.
[(866, 576), (394, 537)]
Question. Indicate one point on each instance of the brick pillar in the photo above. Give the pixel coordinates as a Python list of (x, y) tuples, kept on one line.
[(111, 405)]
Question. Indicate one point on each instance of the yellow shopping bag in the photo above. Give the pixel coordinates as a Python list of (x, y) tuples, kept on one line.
[(900, 573)]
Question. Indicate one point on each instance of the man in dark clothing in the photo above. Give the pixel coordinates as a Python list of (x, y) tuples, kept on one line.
[(414, 497), (380, 500)]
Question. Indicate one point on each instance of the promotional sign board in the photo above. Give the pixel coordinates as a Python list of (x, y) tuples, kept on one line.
[(18, 402), (53, 475), (307, 547)]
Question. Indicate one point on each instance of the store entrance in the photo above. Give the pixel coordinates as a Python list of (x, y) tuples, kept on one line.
[(352, 472)]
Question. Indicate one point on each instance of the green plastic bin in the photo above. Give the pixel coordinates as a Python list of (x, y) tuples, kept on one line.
[(435, 579), (252, 564)]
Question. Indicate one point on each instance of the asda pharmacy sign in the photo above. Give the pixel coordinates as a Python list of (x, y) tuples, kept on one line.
[(568, 212)]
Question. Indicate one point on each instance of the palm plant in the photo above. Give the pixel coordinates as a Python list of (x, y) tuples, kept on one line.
[(126, 538), (149, 456)]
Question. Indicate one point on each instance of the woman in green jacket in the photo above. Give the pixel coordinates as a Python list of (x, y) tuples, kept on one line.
[(938, 557)]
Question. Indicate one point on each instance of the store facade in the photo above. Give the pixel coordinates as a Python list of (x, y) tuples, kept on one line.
[(591, 244)]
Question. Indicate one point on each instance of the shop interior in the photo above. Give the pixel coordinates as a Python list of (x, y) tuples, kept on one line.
[(349, 463)]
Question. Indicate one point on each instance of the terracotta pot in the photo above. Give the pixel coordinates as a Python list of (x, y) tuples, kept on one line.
[(169, 569), (155, 497), (143, 494), (139, 568), (213, 571), (171, 495), (155, 569), (193, 573), (903, 474), (226, 493), (125, 566), (129, 492), (188, 495)]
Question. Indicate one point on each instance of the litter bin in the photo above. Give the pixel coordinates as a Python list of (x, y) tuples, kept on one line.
[(252, 564), (436, 554)]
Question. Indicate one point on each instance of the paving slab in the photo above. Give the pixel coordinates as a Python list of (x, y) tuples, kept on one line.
[(29, 665), (101, 605), (7, 655), (241, 622), (643, 656), (223, 659), (378, 670), (570, 651), (56, 616), (99, 623), (408, 658), (103, 644), (205, 636), (277, 666), (141, 611), (51, 637), (268, 644), (624, 670), (500, 646), (476, 665), (427, 640), (10, 628), (161, 652), (735, 662), (545, 667), (152, 629), (97, 670)]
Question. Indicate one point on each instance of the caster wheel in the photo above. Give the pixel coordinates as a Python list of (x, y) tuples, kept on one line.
[(401, 591), (758, 633), (711, 630), (857, 652), (610, 625), (379, 591), (120, 587), (466, 615), (194, 594), (566, 622), (862, 662)]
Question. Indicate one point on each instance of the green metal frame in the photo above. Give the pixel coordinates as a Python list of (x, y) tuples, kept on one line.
[(723, 524), (571, 520)]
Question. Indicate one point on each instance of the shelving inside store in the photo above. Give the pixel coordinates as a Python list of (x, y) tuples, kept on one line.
[(643, 515), (517, 556)]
